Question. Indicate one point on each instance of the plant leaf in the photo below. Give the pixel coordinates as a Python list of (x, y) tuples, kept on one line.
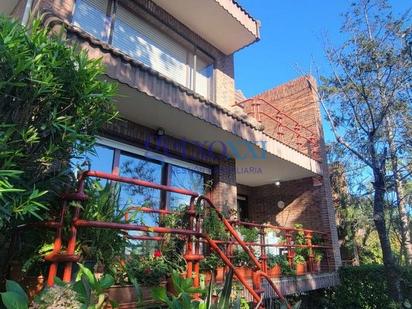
[(13, 300), (12, 286), (106, 282)]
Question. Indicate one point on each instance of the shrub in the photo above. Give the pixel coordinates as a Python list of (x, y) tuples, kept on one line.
[(361, 287), (249, 234), (52, 104), (280, 260)]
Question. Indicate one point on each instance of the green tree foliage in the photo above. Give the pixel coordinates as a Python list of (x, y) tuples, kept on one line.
[(52, 103), (367, 94)]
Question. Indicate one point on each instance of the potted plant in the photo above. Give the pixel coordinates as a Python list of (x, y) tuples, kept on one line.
[(249, 234), (317, 261), (212, 263), (241, 261), (275, 263), (140, 270), (300, 264), (214, 227)]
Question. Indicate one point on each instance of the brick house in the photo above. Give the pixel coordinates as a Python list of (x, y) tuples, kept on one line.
[(183, 122)]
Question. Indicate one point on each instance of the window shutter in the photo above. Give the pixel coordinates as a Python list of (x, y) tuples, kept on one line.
[(150, 46), (90, 15)]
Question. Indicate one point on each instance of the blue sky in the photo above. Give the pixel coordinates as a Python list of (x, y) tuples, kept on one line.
[(292, 40)]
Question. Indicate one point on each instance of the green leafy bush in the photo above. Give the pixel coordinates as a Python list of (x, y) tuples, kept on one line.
[(249, 234), (102, 245), (280, 260), (53, 101), (211, 262), (361, 287), (52, 104), (148, 271), (213, 226), (241, 258)]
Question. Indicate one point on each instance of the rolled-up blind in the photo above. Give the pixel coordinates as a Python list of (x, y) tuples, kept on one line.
[(90, 15), (153, 48)]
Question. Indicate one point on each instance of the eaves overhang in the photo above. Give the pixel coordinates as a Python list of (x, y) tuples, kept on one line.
[(223, 23)]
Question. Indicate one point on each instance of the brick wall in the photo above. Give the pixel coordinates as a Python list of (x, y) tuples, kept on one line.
[(302, 203), (224, 66), (223, 191), (307, 201), (297, 99)]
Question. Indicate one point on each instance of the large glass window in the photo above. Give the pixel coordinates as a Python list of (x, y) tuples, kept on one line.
[(109, 21), (99, 159), (109, 159)]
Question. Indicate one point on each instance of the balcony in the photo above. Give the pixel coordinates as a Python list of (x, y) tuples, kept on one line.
[(240, 28), (258, 253)]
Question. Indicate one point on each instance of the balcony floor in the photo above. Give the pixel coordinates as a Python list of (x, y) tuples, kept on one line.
[(299, 284)]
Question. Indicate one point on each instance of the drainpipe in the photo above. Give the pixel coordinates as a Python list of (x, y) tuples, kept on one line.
[(27, 11)]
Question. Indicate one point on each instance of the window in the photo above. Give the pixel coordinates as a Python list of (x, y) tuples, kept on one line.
[(109, 21), (133, 162), (150, 46), (132, 166), (91, 16), (204, 74)]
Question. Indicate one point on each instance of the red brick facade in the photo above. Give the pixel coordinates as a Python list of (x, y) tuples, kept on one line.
[(308, 201), (297, 99)]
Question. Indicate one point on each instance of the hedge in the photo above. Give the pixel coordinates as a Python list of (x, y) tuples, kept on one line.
[(362, 287)]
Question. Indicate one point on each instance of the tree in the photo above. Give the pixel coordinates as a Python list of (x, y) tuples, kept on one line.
[(53, 101), (367, 93)]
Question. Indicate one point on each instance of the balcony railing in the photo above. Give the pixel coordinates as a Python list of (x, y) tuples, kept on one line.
[(283, 127), (198, 243)]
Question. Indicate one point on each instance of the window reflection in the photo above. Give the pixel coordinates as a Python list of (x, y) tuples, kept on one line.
[(99, 159), (140, 168), (186, 179)]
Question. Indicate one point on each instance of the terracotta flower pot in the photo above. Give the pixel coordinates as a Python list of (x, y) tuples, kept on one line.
[(245, 272), (220, 274), (300, 269), (275, 271), (208, 276)]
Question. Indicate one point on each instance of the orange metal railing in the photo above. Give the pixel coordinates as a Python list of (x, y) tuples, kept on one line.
[(286, 129), (194, 234)]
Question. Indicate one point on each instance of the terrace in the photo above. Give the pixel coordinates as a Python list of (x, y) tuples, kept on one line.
[(262, 256)]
